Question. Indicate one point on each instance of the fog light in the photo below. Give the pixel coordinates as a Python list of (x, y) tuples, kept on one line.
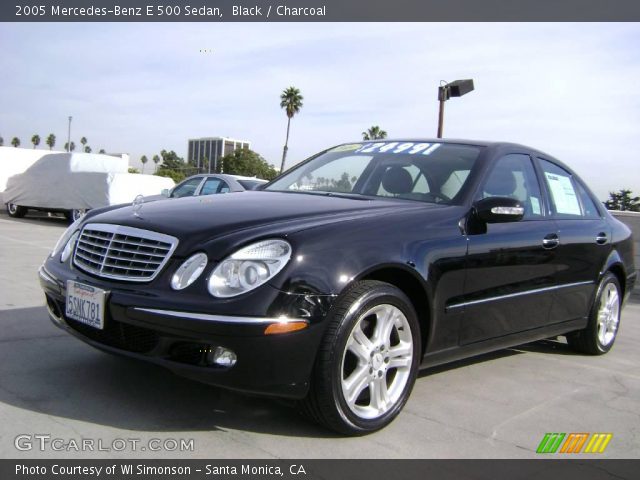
[(221, 356)]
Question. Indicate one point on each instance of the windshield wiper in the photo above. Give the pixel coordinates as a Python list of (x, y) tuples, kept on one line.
[(353, 196)]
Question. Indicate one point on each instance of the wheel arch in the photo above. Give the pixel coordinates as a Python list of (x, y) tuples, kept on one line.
[(409, 282), (615, 265)]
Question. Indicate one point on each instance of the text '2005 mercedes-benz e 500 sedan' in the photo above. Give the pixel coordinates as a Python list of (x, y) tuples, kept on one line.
[(341, 278)]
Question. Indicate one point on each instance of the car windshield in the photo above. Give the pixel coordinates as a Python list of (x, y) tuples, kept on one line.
[(427, 172)]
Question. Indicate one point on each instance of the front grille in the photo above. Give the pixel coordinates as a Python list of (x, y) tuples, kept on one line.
[(122, 253), (119, 335)]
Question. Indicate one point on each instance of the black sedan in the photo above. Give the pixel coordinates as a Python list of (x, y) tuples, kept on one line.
[(340, 279)]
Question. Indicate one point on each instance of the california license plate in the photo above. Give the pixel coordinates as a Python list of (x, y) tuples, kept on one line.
[(85, 304)]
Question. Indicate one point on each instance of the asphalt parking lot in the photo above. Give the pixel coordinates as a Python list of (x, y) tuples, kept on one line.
[(494, 406)]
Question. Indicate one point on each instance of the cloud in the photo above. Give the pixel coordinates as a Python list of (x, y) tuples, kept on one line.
[(138, 88)]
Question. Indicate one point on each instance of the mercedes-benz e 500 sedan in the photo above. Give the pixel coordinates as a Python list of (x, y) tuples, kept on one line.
[(341, 278)]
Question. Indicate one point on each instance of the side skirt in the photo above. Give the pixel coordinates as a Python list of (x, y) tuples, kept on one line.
[(486, 346)]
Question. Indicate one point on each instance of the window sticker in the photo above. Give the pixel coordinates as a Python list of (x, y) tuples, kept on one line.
[(535, 206), (564, 196), (411, 148), (347, 148)]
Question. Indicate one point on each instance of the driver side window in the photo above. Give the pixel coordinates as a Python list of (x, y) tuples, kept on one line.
[(187, 188), (513, 176)]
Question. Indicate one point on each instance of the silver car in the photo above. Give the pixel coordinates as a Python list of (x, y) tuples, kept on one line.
[(209, 184)]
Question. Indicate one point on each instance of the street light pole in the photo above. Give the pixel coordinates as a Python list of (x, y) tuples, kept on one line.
[(448, 90), (69, 136), (442, 97)]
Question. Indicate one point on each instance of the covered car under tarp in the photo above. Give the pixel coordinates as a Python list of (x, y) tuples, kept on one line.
[(68, 181)]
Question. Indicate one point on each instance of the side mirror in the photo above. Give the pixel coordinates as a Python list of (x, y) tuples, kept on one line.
[(499, 210), (164, 192)]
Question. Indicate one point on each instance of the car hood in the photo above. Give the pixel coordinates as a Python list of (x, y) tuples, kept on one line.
[(197, 220)]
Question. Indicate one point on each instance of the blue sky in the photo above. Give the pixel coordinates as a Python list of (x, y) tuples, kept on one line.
[(568, 89)]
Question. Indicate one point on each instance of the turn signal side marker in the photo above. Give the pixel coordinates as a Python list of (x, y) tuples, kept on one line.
[(285, 327)]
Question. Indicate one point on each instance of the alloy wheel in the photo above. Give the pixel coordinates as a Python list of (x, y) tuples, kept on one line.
[(608, 314), (377, 360)]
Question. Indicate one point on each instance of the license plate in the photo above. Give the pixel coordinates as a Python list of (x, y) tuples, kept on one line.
[(85, 304)]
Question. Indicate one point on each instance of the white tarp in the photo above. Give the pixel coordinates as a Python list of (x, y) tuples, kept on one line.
[(80, 180), (17, 160)]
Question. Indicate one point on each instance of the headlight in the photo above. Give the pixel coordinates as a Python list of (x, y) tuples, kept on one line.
[(189, 271), (249, 268), (68, 248), (64, 239)]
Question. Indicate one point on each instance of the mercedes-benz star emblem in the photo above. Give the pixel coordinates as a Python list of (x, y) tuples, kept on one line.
[(137, 205)]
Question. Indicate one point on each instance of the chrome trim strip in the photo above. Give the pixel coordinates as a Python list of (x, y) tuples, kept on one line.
[(124, 230), (53, 316), (47, 277), (518, 294), (219, 318)]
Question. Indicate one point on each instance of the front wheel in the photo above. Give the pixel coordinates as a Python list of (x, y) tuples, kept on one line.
[(75, 214), (16, 211), (604, 319), (367, 362)]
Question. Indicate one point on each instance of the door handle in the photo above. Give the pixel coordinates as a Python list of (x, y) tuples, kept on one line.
[(601, 238), (550, 241)]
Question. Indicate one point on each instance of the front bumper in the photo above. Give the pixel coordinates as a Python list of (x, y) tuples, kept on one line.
[(139, 326)]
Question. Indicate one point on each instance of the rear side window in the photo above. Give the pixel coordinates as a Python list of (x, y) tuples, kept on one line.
[(564, 197), (589, 208), (210, 186)]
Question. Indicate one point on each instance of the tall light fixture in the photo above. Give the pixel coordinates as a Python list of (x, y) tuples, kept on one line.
[(69, 135), (448, 90)]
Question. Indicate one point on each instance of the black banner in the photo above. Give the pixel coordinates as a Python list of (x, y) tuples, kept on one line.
[(364, 469), (318, 10)]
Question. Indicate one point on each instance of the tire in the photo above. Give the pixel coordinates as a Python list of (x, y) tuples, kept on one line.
[(371, 346), (604, 319), (75, 214), (16, 211)]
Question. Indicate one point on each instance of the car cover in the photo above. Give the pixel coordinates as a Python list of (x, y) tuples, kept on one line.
[(80, 180)]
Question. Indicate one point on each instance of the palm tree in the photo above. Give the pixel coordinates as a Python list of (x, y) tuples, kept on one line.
[(51, 141), (144, 160), (374, 133), (156, 160), (83, 141), (291, 101), (35, 140), (15, 141), (69, 148)]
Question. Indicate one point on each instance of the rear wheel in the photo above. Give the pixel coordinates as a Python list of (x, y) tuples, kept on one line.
[(16, 211), (604, 319), (367, 362)]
